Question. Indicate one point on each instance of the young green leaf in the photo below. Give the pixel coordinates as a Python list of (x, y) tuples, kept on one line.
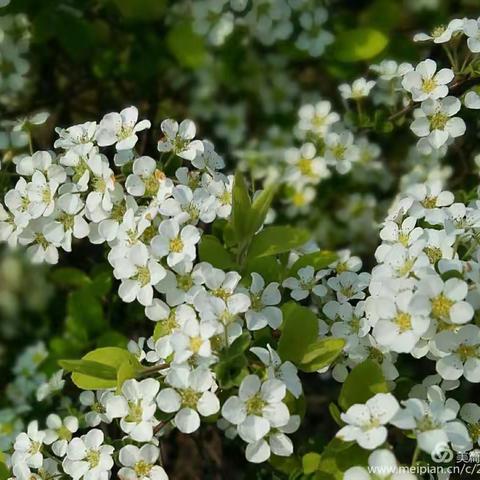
[(275, 240), (321, 353), (318, 260), (241, 210), (299, 327), (363, 382), (260, 207), (212, 251)]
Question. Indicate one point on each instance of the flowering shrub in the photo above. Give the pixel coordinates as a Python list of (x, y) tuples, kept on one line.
[(206, 293)]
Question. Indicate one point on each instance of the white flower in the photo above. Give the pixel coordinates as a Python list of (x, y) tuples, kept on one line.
[(76, 135), (178, 139), (192, 339), (138, 272), (395, 326), (471, 29), (349, 285), (441, 34), (382, 465), (60, 432), (286, 372), (317, 118), (178, 245), (366, 422), (146, 178), (436, 124), (305, 165), (258, 408), (389, 69), (434, 422), (140, 463), (444, 301), (27, 446), (472, 100), (120, 129), (97, 403), (88, 458), (360, 88), (189, 395), (340, 151), (262, 311), (460, 352), (305, 283), (207, 158), (136, 408), (40, 249), (68, 222), (470, 413), (276, 442), (41, 193), (424, 83), (220, 186), (187, 206)]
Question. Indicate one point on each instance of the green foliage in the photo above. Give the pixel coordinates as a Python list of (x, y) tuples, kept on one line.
[(337, 457), (299, 327), (321, 353), (103, 368), (317, 260), (275, 240), (359, 44), (231, 368), (187, 47), (363, 382), (212, 251), (311, 462), (143, 10)]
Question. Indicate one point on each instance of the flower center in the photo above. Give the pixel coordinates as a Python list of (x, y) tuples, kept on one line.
[(438, 121), (338, 151), (426, 423), (142, 468), (403, 321), (93, 458), (305, 165), (67, 221), (195, 344), (474, 430), (434, 254), (46, 195), (466, 351), (429, 85), (99, 184), (226, 198), (298, 199), (221, 293), (406, 267), (176, 245), (35, 447), (189, 397), (184, 282), (143, 276), (256, 303), (135, 412), (429, 202), (151, 184), (124, 132), (64, 433), (41, 240), (255, 405), (441, 306)]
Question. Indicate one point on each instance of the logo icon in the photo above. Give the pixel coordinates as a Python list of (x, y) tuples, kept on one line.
[(442, 453)]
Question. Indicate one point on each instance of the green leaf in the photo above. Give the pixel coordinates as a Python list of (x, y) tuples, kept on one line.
[(358, 44), (335, 413), (268, 267), (70, 277), (275, 240), (337, 457), (318, 260), (130, 368), (362, 383), (260, 207), (299, 329), (85, 313), (321, 353), (311, 462), (90, 368), (212, 251), (187, 47), (241, 210), (113, 357), (231, 367)]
